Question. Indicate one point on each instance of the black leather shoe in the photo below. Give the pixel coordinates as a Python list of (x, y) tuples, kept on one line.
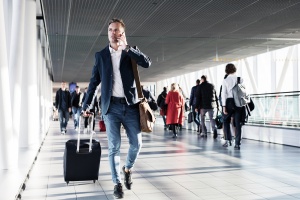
[(127, 178), (118, 191), (215, 134), (237, 147)]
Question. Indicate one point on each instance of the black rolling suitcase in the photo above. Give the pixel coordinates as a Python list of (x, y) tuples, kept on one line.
[(82, 157)]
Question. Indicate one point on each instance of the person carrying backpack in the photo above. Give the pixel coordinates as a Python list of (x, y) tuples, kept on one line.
[(228, 104)]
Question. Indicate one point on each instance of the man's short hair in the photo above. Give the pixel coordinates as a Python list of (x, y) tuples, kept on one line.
[(204, 77), (114, 20), (197, 81), (230, 68)]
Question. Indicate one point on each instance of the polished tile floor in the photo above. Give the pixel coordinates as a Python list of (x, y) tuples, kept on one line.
[(186, 168)]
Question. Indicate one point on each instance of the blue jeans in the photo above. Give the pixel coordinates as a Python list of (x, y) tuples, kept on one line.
[(64, 116), (76, 114), (196, 116), (118, 114)]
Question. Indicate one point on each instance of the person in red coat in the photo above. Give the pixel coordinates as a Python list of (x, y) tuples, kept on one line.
[(175, 112)]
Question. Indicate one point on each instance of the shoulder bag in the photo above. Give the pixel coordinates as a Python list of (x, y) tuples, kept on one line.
[(147, 118)]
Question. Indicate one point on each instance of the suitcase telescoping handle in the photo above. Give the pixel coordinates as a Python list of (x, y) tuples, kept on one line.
[(90, 116)]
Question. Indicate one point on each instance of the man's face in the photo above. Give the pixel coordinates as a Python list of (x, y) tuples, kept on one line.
[(63, 86), (77, 90), (115, 30)]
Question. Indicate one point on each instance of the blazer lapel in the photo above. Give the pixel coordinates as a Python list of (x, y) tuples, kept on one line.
[(106, 57)]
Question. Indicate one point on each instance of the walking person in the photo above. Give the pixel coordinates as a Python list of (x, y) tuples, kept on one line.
[(227, 135), (161, 102), (228, 105), (193, 105), (207, 101), (175, 113), (76, 102), (119, 101), (63, 105)]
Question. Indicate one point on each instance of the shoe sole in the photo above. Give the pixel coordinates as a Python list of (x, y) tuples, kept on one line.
[(119, 197)]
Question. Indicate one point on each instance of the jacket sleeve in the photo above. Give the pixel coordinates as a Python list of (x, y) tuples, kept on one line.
[(151, 97), (94, 82), (56, 99), (192, 96), (72, 98), (216, 97), (224, 94), (69, 100), (140, 58), (198, 97)]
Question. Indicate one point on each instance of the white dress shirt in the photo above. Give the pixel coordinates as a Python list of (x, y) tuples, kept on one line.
[(117, 87), (227, 86)]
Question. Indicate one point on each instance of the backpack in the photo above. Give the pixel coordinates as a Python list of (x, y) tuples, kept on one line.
[(159, 100), (240, 96)]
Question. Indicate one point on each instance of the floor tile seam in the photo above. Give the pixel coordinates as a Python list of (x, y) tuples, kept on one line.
[(160, 189), (103, 190), (258, 194), (208, 186), (267, 177)]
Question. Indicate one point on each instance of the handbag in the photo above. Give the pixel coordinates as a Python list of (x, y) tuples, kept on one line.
[(102, 125), (147, 118), (190, 117), (219, 120)]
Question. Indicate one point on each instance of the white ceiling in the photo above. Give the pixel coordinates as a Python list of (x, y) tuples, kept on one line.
[(180, 36)]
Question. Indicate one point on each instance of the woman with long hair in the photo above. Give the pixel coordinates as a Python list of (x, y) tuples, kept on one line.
[(175, 112)]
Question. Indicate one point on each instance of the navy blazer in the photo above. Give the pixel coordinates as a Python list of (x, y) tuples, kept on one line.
[(103, 73)]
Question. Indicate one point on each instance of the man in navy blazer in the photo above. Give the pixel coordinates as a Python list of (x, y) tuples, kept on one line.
[(119, 100)]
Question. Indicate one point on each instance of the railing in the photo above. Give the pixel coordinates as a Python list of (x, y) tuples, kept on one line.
[(276, 109)]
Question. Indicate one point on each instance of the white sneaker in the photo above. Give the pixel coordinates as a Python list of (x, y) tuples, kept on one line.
[(63, 132), (76, 129), (85, 130)]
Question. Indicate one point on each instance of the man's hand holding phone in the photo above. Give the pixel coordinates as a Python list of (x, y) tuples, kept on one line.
[(122, 42)]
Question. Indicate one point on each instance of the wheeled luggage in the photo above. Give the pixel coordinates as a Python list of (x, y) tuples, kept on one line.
[(82, 158), (102, 126)]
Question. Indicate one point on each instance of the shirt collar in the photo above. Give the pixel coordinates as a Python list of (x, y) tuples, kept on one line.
[(111, 50)]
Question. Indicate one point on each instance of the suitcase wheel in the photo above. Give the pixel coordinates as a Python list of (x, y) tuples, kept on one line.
[(94, 181), (67, 182)]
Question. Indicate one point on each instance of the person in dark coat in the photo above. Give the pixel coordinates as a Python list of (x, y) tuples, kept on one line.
[(192, 103), (206, 102), (76, 101), (63, 105), (161, 102), (175, 113)]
